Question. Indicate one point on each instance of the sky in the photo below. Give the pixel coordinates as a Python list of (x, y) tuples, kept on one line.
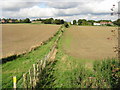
[(59, 9)]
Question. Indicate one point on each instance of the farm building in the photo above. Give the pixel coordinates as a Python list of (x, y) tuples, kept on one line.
[(36, 21), (105, 23), (96, 24), (11, 21), (3, 21)]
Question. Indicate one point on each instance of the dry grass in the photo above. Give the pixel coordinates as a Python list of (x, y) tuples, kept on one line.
[(89, 42), (19, 38)]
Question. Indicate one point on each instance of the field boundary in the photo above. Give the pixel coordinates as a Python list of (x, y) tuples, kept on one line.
[(32, 76), (14, 56)]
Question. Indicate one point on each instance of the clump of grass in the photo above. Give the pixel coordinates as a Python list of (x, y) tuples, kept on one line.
[(108, 71)]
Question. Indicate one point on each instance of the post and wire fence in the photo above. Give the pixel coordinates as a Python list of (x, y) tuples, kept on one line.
[(31, 78)]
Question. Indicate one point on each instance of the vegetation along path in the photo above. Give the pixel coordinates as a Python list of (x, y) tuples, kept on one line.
[(68, 71)]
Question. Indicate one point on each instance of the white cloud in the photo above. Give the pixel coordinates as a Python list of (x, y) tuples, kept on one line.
[(66, 9), (34, 11), (63, 5), (12, 6)]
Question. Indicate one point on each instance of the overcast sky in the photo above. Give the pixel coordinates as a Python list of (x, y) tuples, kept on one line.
[(63, 9)]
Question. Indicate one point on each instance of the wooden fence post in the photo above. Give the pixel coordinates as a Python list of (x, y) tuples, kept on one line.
[(14, 82), (37, 76), (30, 77), (44, 62), (25, 80), (34, 76), (41, 63)]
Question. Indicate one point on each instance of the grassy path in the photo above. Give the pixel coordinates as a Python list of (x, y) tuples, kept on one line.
[(65, 71)]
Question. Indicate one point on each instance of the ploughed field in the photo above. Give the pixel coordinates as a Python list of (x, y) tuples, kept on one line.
[(90, 42), (19, 38)]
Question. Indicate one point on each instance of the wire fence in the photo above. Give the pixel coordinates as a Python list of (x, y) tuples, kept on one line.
[(33, 75)]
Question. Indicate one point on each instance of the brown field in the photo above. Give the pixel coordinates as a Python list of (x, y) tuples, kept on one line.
[(19, 38), (90, 42)]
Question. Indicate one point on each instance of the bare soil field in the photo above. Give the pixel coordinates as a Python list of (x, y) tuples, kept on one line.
[(90, 42), (19, 38)]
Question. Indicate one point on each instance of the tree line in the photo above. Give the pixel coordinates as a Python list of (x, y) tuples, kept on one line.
[(9, 20), (27, 20), (88, 22), (51, 21)]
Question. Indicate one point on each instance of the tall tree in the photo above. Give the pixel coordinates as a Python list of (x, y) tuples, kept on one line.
[(74, 22)]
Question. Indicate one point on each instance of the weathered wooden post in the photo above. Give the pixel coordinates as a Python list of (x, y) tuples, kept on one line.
[(34, 77), (37, 76), (14, 82), (30, 77), (25, 81)]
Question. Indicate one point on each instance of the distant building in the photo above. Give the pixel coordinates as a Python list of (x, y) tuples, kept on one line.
[(11, 21), (3, 21), (106, 23), (103, 23), (96, 24), (36, 21)]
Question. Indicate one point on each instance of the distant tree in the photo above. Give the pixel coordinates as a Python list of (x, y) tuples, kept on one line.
[(80, 22), (62, 21), (74, 22), (57, 21), (48, 21), (27, 20), (91, 21), (16, 20), (21, 21), (66, 24)]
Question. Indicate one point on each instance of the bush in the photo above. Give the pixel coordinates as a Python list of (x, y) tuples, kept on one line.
[(66, 24)]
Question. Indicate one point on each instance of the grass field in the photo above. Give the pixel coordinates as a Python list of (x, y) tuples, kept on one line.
[(18, 38), (89, 42)]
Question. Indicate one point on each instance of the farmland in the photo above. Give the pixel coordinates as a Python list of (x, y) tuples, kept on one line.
[(18, 38), (81, 60), (89, 42), (22, 64), (73, 70)]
